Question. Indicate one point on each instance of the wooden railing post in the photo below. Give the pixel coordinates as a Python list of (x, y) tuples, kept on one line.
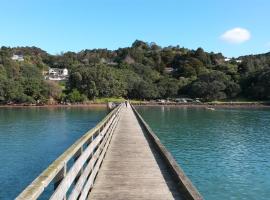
[(59, 177), (78, 154), (75, 157)]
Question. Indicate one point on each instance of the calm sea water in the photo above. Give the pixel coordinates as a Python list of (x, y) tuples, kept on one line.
[(31, 138), (226, 153)]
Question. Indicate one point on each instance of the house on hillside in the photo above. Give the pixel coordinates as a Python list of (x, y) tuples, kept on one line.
[(227, 59), (232, 59), (17, 57), (238, 61), (56, 74)]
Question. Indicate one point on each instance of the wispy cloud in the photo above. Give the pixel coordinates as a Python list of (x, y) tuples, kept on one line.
[(236, 35)]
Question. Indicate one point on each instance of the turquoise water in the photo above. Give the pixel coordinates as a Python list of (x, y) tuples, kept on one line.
[(31, 138), (226, 153)]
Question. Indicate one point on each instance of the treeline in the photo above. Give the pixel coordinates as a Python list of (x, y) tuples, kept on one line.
[(142, 71)]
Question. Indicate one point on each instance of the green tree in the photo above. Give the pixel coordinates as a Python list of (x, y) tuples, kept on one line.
[(75, 96), (168, 87), (214, 85)]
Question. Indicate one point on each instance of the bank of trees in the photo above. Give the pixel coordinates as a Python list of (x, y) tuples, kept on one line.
[(142, 71), (215, 85)]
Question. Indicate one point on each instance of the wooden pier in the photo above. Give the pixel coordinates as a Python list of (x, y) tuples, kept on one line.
[(121, 158)]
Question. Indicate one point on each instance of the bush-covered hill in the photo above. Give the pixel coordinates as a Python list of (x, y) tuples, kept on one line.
[(142, 71)]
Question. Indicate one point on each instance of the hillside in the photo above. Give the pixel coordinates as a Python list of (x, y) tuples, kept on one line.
[(142, 71)]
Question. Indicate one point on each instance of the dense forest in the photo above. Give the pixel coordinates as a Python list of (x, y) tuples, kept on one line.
[(142, 71)]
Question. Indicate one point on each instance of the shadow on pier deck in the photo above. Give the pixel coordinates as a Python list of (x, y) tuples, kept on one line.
[(119, 159)]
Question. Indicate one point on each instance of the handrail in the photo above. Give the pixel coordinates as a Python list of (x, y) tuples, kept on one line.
[(185, 184), (85, 151)]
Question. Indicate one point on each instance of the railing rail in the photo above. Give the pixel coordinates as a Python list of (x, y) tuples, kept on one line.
[(87, 153)]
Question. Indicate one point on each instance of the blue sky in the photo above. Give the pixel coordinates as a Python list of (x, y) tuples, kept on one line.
[(72, 25)]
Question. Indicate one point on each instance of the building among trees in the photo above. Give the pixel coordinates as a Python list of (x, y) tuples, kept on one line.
[(17, 57), (56, 74)]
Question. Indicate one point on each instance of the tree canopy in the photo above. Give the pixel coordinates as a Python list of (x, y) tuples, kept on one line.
[(142, 71)]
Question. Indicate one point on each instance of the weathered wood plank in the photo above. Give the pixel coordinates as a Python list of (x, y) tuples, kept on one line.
[(90, 181), (131, 168), (184, 184), (124, 160)]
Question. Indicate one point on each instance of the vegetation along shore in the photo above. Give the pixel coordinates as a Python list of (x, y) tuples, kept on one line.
[(144, 71)]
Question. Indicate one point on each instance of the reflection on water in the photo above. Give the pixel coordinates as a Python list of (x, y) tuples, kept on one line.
[(31, 138), (226, 153)]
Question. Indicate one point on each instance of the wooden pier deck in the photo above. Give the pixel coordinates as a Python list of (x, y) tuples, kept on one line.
[(132, 169), (121, 158)]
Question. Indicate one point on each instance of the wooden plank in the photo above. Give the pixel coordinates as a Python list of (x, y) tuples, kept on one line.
[(185, 185), (131, 168), (129, 163), (90, 181)]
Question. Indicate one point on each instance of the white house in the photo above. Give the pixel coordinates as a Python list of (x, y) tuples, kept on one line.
[(57, 74), (17, 57), (229, 59), (52, 71), (65, 72)]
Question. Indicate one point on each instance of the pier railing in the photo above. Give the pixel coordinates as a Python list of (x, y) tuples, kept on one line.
[(86, 154)]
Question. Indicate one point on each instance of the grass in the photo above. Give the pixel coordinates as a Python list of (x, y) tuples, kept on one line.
[(110, 99), (239, 101), (136, 101), (115, 100)]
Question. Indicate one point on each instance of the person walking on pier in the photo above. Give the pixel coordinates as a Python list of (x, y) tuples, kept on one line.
[(126, 102)]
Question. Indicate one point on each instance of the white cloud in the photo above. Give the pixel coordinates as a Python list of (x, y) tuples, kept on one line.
[(236, 36)]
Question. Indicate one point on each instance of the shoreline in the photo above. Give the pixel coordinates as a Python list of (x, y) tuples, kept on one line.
[(188, 105), (209, 105), (103, 105)]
